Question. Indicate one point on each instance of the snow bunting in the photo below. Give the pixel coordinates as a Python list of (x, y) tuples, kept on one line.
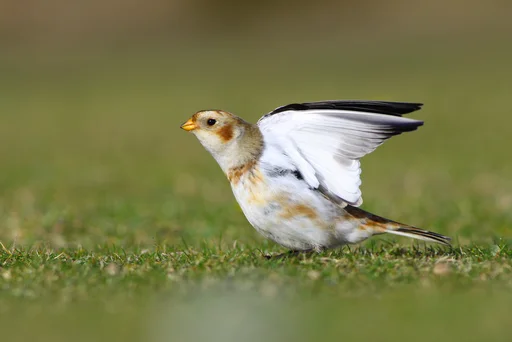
[(296, 172)]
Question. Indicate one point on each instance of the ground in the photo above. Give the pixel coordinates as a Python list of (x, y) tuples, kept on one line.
[(116, 224)]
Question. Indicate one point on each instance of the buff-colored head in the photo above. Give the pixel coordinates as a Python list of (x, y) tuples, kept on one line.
[(229, 139)]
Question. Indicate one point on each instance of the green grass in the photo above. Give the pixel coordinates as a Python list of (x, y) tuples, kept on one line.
[(117, 225), (166, 292)]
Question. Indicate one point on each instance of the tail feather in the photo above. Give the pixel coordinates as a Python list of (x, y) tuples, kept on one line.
[(382, 225), (420, 234)]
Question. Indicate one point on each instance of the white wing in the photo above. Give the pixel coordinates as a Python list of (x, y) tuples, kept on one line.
[(325, 140)]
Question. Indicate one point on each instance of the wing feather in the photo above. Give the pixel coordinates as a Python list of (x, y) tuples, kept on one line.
[(326, 141)]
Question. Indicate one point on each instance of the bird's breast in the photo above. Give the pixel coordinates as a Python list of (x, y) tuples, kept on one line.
[(268, 200), (249, 186)]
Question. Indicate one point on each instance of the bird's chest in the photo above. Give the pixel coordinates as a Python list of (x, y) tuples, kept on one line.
[(283, 209), (253, 193)]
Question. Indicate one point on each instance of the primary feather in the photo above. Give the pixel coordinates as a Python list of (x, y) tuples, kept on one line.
[(382, 107)]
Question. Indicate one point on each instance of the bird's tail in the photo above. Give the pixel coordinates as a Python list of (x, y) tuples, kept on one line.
[(381, 225)]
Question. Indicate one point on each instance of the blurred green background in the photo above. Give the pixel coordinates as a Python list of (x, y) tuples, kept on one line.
[(95, 170)]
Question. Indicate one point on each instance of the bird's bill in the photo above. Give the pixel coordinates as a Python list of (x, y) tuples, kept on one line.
[(189, 125)]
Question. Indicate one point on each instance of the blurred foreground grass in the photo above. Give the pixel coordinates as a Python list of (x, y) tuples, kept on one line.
[(185, 294), (116, 224)]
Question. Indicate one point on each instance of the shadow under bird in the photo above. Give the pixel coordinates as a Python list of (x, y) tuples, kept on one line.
[(296, 172)]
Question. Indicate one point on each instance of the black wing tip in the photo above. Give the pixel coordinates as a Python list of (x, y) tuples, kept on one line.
[(378, 107), (410, 125)]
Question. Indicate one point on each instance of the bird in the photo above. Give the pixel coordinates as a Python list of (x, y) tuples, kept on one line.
[(296, 172)]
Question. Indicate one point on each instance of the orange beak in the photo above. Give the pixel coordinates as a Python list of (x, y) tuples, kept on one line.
[(189, 125)]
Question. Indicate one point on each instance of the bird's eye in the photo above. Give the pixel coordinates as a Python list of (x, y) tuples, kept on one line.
[(211, 122)]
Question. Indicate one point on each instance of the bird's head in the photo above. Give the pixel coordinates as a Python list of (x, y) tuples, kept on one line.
[(229, 139)]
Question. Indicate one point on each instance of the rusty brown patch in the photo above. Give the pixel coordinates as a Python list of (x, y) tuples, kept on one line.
[(236, 173), (372, 226), (369, 221), (226, 132), (294, 210)]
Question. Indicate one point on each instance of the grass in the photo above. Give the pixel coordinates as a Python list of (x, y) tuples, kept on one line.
[(342, 273), (117, 225), (165, 292)]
